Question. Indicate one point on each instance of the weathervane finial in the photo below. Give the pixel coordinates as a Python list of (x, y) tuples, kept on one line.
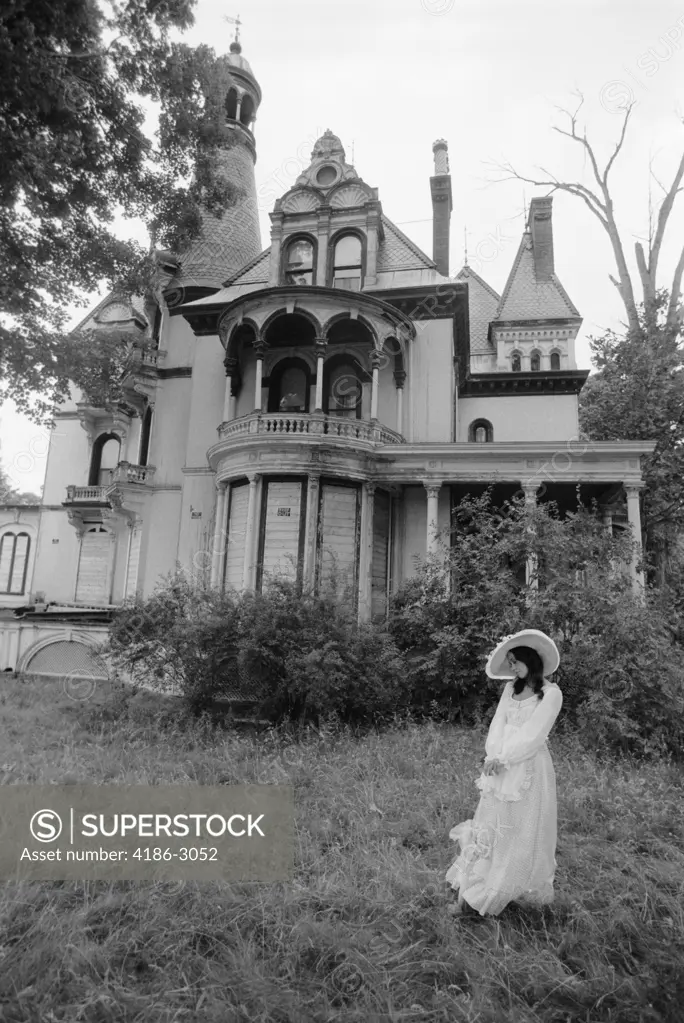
[(237, 23)]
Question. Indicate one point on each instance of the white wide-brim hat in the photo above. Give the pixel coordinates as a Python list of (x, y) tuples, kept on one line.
[(497, 666)]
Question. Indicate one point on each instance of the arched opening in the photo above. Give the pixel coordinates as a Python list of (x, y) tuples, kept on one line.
[(290, 330), (231, 104), (481, 431), (14, 555), (555, 361), (347, 263), (289, 386), (515, 362), (343, 387), (105, 458), (299, 262), (145, 431), (535, 362), (246, 110)]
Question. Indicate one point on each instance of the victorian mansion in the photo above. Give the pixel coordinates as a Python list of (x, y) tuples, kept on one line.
[(315, 408)]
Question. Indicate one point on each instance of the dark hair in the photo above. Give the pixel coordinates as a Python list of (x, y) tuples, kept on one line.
[(535, 670)]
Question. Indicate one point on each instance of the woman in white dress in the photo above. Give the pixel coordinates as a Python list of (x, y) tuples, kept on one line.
[(508, 849)]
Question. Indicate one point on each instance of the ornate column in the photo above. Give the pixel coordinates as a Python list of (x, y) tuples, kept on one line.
[(532, 566), (320, 345), (433, 488), (228, 401), (324, 213), (218, 546), (311, 529), (366, 551), (399, 380), (250, 533), (260, 350), (375, 363), (276, 246), (634, 519)]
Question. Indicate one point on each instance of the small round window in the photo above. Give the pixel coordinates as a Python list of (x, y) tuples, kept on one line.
[(326, 176)]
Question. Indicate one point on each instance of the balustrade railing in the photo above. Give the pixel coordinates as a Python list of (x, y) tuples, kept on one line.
[(85, 494), (125, 472), (312, 424)]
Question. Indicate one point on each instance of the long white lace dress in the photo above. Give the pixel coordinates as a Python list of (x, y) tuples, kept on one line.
[(508, 849)]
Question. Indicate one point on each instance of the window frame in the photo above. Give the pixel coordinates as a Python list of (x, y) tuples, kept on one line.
[(9, 592), (275, 382), (535, 354), (96, 457), (516, 354), (475, 426), (329, 366), (289, 241), (557, 355), (334, 241)]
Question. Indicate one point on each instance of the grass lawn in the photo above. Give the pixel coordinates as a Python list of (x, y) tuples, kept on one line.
[(363, 934)]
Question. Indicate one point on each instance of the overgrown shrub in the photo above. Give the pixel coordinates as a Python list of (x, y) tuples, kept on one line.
[(297, 655), (620, 667)]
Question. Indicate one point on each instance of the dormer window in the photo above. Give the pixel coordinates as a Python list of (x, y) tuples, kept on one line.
[(299, 262), (347, 263)]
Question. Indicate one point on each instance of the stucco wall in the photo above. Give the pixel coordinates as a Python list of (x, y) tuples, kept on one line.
[(413, 527), (522, 417), (430, 383)]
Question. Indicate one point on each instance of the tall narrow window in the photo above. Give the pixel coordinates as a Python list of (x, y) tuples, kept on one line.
[(299, 262), (555, 360), (343, 391), (14, 552), (515, 362), (534, 362), (145, 437), (106, 455), (347, 262)]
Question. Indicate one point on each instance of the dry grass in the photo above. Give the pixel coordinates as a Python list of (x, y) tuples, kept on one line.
[(363, 934)]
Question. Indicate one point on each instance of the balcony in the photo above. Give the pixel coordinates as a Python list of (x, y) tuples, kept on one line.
[(125, 494), (87, 495), (304, 426), (125, 472)]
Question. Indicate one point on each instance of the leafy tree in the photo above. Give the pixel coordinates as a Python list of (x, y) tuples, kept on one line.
[(638, 394), (74, 152)]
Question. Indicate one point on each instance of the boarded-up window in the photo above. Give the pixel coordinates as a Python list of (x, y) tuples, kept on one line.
[(237, 526), (14, 551), (380, 560), (338, 541), (281, 530), (133, 562), (94, 567)]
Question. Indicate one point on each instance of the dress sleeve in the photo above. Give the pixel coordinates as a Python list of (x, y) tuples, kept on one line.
[(495, 733), (530, 737)]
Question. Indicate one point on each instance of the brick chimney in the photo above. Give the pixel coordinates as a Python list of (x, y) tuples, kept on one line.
[(440, 188), (540, 227)]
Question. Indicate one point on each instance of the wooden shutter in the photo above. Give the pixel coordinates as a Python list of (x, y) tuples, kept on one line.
[(338, 540), (281, 529), (237, 526), (380, 557), (94, 563), (133, 562)]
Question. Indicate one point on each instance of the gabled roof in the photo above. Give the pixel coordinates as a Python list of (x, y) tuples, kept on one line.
[(483, 302), (397, 252), (254, 272), (527, 298), (136, 301)]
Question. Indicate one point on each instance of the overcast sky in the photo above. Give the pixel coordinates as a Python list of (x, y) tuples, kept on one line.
[(391, 76)]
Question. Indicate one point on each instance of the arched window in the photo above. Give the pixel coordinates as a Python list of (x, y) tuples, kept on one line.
[(343, 390), (555, 360), (515, 362), (14, 554), (481, 432), (246, 110), (299, 261), (145, 431), (347, 263), (231, 104), (535, 362), (289, 387), (106, 456)]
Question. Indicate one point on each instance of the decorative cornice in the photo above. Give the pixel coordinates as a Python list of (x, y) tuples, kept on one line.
[(174, 371), (527, 383)]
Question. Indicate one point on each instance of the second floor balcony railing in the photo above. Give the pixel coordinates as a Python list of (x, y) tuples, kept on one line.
[(312, 425), (125, 472)]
